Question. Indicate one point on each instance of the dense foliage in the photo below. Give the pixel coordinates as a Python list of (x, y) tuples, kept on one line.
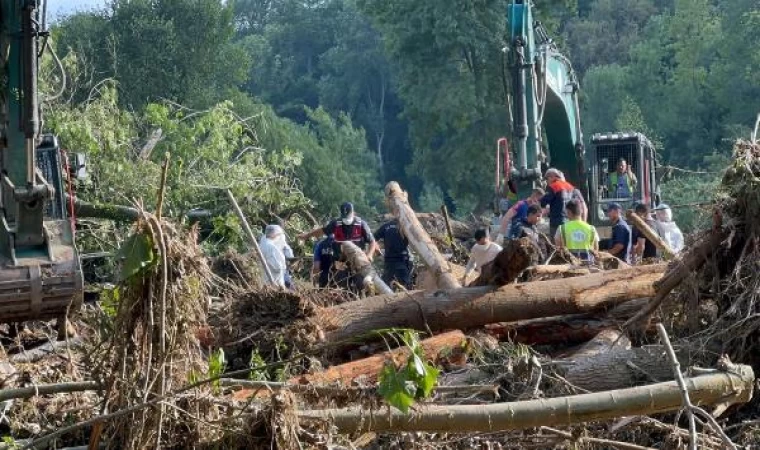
[(365, 91)]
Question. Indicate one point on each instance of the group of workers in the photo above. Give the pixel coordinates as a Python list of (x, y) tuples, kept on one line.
[(568, 229)]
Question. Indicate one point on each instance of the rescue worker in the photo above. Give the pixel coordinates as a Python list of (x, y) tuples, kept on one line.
[(348, 227), (511, 220), (667, 228), (271, 245), (622, 181), (322, 261), (577, 236), (643, 248), (528, 229), (620, 243), (483, 252), (558, 193), (397, 262)]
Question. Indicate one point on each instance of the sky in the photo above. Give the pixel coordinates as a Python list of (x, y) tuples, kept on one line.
[(58, 8)]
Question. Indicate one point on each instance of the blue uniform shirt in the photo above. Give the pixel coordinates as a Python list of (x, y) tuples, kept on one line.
[(396, 245), (621, 234)]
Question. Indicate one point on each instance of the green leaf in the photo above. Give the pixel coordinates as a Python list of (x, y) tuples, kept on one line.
[(426, 384), (393, 387), (136, 254)]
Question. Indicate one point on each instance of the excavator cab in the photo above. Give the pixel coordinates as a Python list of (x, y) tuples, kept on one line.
[(622, 170)]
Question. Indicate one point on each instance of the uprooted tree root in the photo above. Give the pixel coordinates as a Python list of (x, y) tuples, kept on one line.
[(730, 277), (273, 323)]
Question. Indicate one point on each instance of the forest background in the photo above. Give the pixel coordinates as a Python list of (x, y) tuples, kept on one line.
[(298, 105)]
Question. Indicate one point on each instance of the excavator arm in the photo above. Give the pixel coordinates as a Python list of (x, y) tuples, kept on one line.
[(547, 128), (40, 275)]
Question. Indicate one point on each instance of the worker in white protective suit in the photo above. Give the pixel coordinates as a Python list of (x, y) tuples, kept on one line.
[(272, 244), (667, 229)]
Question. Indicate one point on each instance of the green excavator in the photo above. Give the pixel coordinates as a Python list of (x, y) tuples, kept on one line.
[(546, 127), (40, 274)]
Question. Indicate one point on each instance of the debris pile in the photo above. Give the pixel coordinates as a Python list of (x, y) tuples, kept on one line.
[(531, 355)]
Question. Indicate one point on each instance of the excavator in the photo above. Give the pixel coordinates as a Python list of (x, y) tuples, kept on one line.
[(40, 272), (546, 126)]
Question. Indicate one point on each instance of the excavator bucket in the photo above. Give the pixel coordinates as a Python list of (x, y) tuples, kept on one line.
[(42, 288)]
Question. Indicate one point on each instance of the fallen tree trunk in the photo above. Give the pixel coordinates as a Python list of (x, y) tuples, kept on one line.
[(621, 368), (564, 330), (418, 237), (720, 387), (552, 272), (567, 330), (474, 307), (649, 233), (370, 367), (608, 340)]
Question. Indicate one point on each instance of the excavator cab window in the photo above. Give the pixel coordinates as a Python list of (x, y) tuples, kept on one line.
[(49, 165), (622, 171)]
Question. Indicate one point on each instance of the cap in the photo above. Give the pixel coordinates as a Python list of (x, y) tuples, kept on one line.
[(660, 207), (553, 172), (614, 205), (346, 209)]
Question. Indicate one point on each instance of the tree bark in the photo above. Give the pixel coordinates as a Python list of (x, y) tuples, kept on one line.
[(418, 237), (466, 308), (361, 265), (560, 330), (608, 340), (720, 387), (369, 368), (564, 330), (649, 233), (552, 272), (621, 368)]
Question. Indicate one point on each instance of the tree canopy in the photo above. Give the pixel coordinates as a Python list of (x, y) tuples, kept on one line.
[(353, 93)]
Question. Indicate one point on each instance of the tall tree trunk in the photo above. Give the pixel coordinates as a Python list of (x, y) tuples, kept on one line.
[(418, 237)]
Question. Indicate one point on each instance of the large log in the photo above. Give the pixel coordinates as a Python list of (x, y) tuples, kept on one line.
[(418, 237), (720, 387), (560, 330), (466, 308), (621, 368), (650, 234), (564, 330), (369, 368)]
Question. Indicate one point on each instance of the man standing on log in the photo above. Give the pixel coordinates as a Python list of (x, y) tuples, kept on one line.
[(620, 244), (558, 193), (643, 249), (348, 228), (580, 238), (483, 252), (396, 257), (511, 220)]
